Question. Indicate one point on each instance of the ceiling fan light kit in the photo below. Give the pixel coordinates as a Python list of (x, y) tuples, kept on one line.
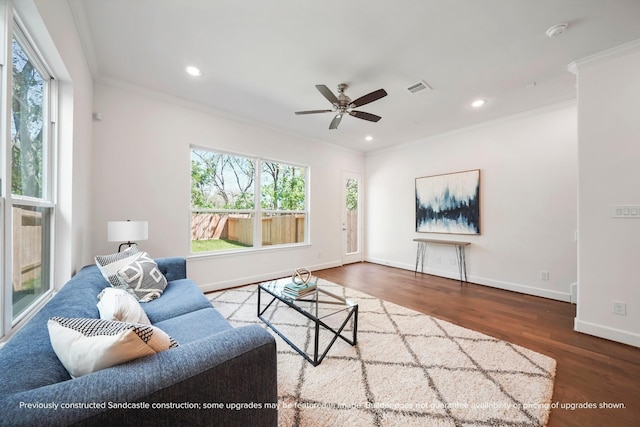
[(342, 104)]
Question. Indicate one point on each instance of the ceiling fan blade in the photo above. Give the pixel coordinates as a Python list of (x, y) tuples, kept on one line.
[(335, 122), (326, 92), (313, 111), (370, 97), (365, 116)]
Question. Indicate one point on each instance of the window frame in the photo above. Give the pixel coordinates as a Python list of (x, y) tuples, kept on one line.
[(48, 116), (45, 202), (258, 211)]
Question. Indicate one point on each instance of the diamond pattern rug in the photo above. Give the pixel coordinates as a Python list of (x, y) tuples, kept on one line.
[(407, 369)]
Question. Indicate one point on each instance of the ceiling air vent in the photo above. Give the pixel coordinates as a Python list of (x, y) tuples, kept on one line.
[(421, 86)]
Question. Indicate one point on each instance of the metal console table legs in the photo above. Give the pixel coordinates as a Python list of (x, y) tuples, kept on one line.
[(421, 255)]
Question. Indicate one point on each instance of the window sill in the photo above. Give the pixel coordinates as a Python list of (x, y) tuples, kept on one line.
[(244, 252)]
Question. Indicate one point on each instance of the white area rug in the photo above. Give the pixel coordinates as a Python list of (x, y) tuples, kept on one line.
[(407, 369)]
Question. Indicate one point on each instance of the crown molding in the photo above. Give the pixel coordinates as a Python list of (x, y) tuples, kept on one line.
[(79, 14), (604, 56), (478, 126)]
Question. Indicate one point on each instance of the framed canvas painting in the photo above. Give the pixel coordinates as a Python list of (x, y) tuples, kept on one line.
[(448, 203)]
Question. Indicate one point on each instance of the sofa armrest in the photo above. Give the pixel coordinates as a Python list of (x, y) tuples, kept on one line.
[(173, 268), (224, 379)]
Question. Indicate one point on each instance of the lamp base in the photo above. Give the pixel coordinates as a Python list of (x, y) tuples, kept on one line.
[(127, 243)]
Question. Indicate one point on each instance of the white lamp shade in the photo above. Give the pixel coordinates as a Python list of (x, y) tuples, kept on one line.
[(127, 231)]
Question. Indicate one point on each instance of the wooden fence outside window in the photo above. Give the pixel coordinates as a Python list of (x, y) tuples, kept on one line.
[(276, 230)]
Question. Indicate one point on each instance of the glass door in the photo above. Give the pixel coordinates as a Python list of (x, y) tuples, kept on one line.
[(351, 217)]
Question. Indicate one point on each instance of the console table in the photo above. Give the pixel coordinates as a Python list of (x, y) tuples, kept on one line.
[(421, 254)]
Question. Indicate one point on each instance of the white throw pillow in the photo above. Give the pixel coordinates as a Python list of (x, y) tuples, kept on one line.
[(118, 304), (88, 345)]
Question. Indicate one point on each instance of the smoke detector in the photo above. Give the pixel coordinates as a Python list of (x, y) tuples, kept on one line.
[(556, 30)]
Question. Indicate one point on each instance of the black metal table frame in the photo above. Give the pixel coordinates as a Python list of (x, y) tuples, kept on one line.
[(315, 361)]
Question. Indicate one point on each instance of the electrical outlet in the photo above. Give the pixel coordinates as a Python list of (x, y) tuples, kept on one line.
[(619, 308), (452, 261), (544, 275)]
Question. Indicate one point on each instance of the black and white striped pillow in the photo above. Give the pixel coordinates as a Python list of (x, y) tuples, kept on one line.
[(88, 345), (109, 266)]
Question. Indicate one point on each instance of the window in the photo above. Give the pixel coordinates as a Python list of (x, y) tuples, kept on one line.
[(29, 204), (239, 202)]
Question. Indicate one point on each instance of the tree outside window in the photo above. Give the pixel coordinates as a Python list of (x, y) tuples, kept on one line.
[(30, 204), (27, 125), (239, 202)]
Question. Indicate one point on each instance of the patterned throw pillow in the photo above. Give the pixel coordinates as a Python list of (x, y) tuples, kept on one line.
[(110, 264), (88, 345), (133, 271), (144, 278)]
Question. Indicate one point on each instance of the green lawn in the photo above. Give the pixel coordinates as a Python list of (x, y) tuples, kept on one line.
[(215, 245)]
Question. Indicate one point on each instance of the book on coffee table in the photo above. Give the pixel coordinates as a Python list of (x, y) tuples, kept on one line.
[(299, 290)]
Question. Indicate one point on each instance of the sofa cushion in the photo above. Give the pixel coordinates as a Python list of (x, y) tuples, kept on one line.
[(179, 297), (120, 305), (173, 268), (88, 345), (191, 326)]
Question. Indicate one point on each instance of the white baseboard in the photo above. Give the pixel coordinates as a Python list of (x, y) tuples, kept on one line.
[(515, 287), (246, 280), (607, 332), (508, 286), (403, 266), (523, 289)]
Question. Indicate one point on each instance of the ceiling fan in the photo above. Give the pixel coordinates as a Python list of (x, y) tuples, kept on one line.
[(342, 104)]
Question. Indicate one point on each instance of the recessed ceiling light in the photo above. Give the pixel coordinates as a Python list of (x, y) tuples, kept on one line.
[(193, 71), (478, 103), (368, 138)]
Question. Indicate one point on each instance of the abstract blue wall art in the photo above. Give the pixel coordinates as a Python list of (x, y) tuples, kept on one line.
[(448, 203)]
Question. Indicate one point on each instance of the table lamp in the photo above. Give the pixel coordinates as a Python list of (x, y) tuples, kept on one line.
[(127, 231)]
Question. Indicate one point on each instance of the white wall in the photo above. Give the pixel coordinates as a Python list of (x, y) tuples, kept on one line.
[(142, 166), (528, 201), (608, 153)]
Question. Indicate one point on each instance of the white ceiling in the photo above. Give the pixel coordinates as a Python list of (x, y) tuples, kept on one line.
[(260, 60)]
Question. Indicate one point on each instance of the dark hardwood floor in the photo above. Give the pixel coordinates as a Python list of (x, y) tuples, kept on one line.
[(590, 369)]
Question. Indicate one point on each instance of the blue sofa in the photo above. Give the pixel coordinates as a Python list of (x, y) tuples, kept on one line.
[(217, 376)]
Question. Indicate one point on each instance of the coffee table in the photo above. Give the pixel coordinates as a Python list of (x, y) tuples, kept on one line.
[(326, 311)]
